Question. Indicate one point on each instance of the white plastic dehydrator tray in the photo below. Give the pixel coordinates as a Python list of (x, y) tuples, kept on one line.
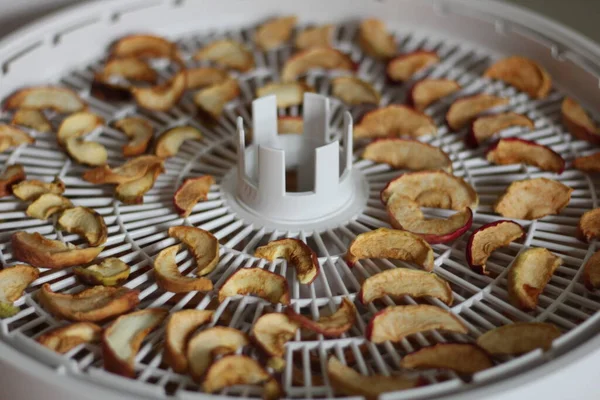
[(66, 48)]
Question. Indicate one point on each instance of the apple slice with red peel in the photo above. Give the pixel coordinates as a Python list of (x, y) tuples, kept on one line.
[(394, 120), (202, 77), (123, 338), (11, 136), (85, 222), (38, 251), (12, 175), (318, 36), (487, 239), (181, 325), (533, 198), (591, 272), (275, 32), (130, 171), (77, 125), (578, 122), (272, 331), (256, 281), (333, 325), (13, 282), (488, 126), (391, 243), (404, 66), (354, 91), (86, 152), (110, 272), (290, 124), (407, 154), (213, 99), (131, 68), (203, 245), (589, 164), (397, 322), (295, 252), (520, 151), (32, 189), (132, 192), (374, 39), (528, 275), (227, 53), (288, 93), (526, 75), (66, 338), (47, 205), (518, 338), (61, 100), (95, 304), (170, 141), (192, 191), (30, 118), (462, 358), (161, 97), (168, 277), (139, 131), (144, 46), (400, 282), (463, 111), (427, 91), (317, 57), (589, 224)]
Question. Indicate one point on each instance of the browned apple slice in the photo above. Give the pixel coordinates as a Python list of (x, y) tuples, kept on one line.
[(488, 126), (86, 152), (288, 93), (374, 39), (396, 322), (317, 57), (518, 338), (354, 91), (168, 277), (272, 331), (578, 122), (130, 171), (333, 325), (161, 97), (66, 338), (59, 99), (533, 198), (463, 111), (437, 189), (394, 120), (227, 53), (12, 175), (13, 282), (139, 131), (32, 189), (290, 124), (132, 192), (110, 272), (11, 136), (295, 252), (132, 68), (591, 272), (30, 118), (590, 164), (85, 222), (203, 245), (192, 191), (589, 224), (487, 239), (47, 205), (463, 358), (97, 303), (256, 281), (170, 141), (77, 125), (144, 46), (213, 99), (517, 151), (182, 324), (38, 251), (404, 66), (317, 36), (123, 338), (524, 74), (529, 274), (428, 91), (400, 282), (275, 32), (110, 92), (201, 77), (391, 243), (407, 154)]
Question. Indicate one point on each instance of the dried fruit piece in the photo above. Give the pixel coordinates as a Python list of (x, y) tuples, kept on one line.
[(589, 224), (191, 191), (528, 275), (128, 172), (180, 327), (110, 272), (488, 126), (201, 77), (11, 136), (203, 245), (32, 189), (428, 91), (394, 120), (227, 53), (63, 339), (34, 119), (213, 99), (289, 124), (13, 282), (97, 303), (256, 281), (295, 252), (132, 68), (578, 122), (272, 331), (132, 192), (12, 175), (318, 36), (333, 325), (591, 272), (354, 91), (517, 151), (59, 99), (46, 205), (487, 239), (522, 73), (405, 66), (123, 338), (110, 92), (85, 222), (38, 251), (466, 109), (161, 97), (77, 125), (589, 163), (139, 131), (374, 39), (533, 198), (170, 141), (168, 277), (317, 57), (85, 152), (144, 46), (407, 154), (288, 94), (396, 322), (391, 243), (463, 358), (400, 282), (275, 32), (518, 338)]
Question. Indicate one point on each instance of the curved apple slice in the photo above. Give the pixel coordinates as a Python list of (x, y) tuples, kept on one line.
[(407, 154), (533, 198), (77, 125), (488, 126), (295, 252), (161, 97), (11, 136), (110, 272), (290, 124), (517, 151), (38, 251), (182, 324), (256, 281), (522, 73), (170, 141), (333, 325), (318, 36), (139, 131), (317, 57), (463, 358), (487, 239), (13, 282), (590, 164), (591, 272), (85, 222), (47, 205), (578, 122), (589, 224), (354, 91), (12, 175), (404, 66), (59, 99), (396, 322), (192, 191), (168, 277), (32, 189), (374, 39), (391, 243), (132, 68), (214, 98), (227, 53), (394, 120), (518, 338), (34, 119), (144, 46), (437, 189), (203, 245), (428, 91), (110, 92), (63, 339), (275, 32), (130, 171), (95, 304), (272, 331), (123, 338), (201, 77), (400, 282), (288, 93), (463, 111), (132, 192), (85, 152)]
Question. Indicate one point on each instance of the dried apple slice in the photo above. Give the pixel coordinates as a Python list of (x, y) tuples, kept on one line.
[(407, 154), (288, 93), (487, 239), (400, 282), (317, 57), (46, 205), (517, 151), (318, 36), (203, 245), (290, 124), (144, 46), (201, 77), (374, 39), (123, 338), (38, 251), (59, 99), (227, 53), (170, 141), (139, 131), (589, 224), (463, 358), (391, 243), (168, 277), (12, 175), (488, 126), (13, 282), (533, 198), (192, 191), (518, 338), (85, 152), (130, 171), (161, 97), (110, 272), (34, 119), (66, 338), (528, 275), (463, 111), (85, 222), (132, 192), (394, 120), (524, 74), (333, 325), (110, 92), (295, 252), (213, 99), (256, 281), (77, 125), (11, 136), (275, 32), (591, 272), (95, 304), (354, 91), (588, 164), (428, 91), (396, 322), (437, 189), (405, 66), (32, 189), (578, 122), (272, 331), (182, 324), (132, 68)]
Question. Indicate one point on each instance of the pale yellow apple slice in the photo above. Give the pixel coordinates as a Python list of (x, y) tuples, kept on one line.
[(427, 91), (144, 46), (295, 252), (405, 66), (486, 127), (354, 91), (47, 205), (170, 141), (578, 122), (524, 74), (86, 152), (32, 189), (227, 53), (130, 171), (487, 239), (139, 131), (462, 358), (59, 99), (11, 136), (590, 164), (181, 325), (275, 32), (77, 125), (333, 325), (66, 338), (161, 97), (533, 198), (168, 277), (203, 245), (325, 58), (110, 272), (518, 338), (520, 151), (272, 331), (393, 121), (85, 222), (464, 110), (213, 99), (202, 77), (131, 68), (317, 36), (31, 118), (256, 281), (13, 282), (290, 124), (407, 154), (192, 191), (375, 40), (132, 192), (288, 94)]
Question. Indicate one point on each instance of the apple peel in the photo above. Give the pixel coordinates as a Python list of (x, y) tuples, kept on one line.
[(519, 338), (110, 272), (181, 325), (192, 191), (405, 66), (354, 91), (13, 282), (66, 338), (333, 325), (256, 281), (393, 121), (533, 198), (487, 239), (462, 358), (466, 109), (168, 277), (325, 58), (295, 252), (522, 73), (520, 151), (427, 91)]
